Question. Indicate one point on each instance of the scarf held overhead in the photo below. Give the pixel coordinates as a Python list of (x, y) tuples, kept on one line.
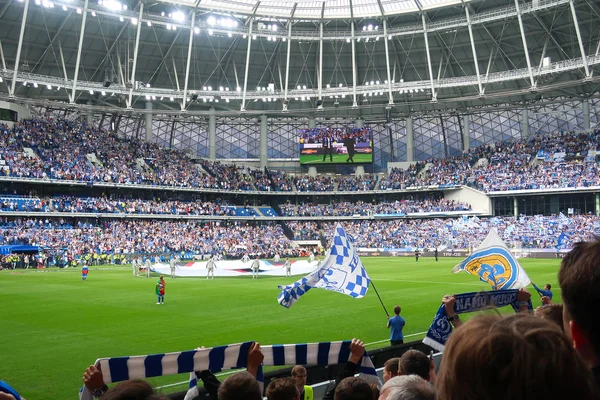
[(441, 328), (221, 358)]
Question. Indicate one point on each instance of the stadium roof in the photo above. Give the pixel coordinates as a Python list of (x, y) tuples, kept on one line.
[(323, 9), (265, 56)]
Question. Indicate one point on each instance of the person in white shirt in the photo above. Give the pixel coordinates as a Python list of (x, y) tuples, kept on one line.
[(312, 257), (210, 268), (173, 266), (288, 267), (245, 258), (148, 266), (255, 268), (134, 266)]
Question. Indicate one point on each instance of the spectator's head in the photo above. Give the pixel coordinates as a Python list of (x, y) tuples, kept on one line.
[(390, 369), (353, 389), (134, 389), (240, 386), (547, 286), (299, 375), (407, 387), (579, 280), (414, 362), (552, 313), (497, 358), (397, 310), (283, 389)]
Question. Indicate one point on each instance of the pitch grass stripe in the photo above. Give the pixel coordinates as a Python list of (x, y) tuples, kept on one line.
[(233, 372)]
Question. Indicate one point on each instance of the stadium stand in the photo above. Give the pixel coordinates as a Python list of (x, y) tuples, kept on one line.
[(62, 150)]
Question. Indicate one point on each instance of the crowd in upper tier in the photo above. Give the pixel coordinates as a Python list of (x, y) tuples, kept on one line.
[(398, 207), (124, 205), (72, 204), (59, 149)]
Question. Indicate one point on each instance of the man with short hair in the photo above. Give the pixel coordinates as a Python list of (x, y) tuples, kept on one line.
[(579, 280), (357, 350), (327, 147), (396, 323), (390, 369), (299, 375), (353, 389), (173, 266), (210, 267), (240, 386), (255, 267), (407, 387), (288, 267), (283, 389), (546, 292), (160, 290), (414, 362)]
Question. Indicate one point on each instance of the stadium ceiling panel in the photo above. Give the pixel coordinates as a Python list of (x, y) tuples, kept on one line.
[(281, 56)]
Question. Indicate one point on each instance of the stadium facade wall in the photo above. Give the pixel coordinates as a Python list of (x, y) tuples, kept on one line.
[(22, 112), (479, 201)]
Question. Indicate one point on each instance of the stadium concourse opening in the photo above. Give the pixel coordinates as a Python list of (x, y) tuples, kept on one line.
[(213, 141)]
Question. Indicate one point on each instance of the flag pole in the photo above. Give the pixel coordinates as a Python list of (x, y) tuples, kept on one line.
[(379, 297)]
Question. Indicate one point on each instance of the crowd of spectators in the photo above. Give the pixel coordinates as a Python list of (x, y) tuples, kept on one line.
[(314, 184), (236, 239), (466, 233), (362, 208), (276, 181), (304, 230), (119, 206), (356, 184), (149, 237), (73, 151)]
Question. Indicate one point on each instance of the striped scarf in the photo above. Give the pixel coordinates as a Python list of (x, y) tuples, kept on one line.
[(221, 358)]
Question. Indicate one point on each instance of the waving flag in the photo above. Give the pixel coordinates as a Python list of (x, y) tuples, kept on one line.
[(494, 264), (342, 272)]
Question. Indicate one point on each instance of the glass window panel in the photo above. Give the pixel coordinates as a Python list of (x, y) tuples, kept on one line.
[(494, 127), (552, 118)]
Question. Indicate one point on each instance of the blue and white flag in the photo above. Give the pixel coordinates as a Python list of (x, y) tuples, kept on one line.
[(222, 358), (342, 272), (493, 262), (441, 328)]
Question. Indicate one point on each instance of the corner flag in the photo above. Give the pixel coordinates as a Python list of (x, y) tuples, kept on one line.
[(342, 272), (494, 264)]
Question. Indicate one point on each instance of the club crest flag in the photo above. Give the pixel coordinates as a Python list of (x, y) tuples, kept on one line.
[(493, 262), (341, 271)]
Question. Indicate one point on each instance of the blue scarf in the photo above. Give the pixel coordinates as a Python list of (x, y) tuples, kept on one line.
[(441, 328), (222, 358)]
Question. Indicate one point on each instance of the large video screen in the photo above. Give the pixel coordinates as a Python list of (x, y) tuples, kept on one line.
[(336, 146)]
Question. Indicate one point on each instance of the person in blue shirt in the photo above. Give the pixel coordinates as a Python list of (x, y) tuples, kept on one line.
[(397, 324), (544, 292)]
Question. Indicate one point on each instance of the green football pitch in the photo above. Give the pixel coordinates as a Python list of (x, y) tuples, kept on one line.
[(337, 159), (54, 325)]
